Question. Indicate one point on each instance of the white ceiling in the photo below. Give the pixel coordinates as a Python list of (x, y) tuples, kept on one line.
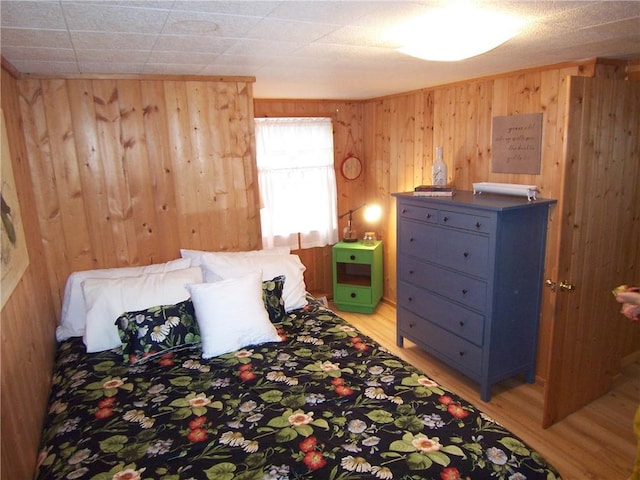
[(295, 49)]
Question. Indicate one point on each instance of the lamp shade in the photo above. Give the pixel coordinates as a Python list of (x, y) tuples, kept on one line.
[(372, 213)]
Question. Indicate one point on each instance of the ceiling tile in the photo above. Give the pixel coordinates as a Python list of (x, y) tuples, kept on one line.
[(26, 14), (47, 68), (111, 41), (173, 69), (335, 13), (27, 37), (113, 56), (111, 68), (285, 30), (46, 54), (104, 17), (207, 24), (191, 43), (254, 47), (181, 58), (242, 8)]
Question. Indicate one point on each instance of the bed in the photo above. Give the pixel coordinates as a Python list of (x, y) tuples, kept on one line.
[(320, 400)]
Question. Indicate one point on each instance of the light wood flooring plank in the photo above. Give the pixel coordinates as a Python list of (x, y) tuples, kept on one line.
[(597, 442)]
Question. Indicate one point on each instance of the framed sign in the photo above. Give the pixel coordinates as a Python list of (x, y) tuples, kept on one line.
[(14, 256), (516, 142)]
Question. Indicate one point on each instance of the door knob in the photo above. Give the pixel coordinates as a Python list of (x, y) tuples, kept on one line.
[(563, 285), (551, 284), (569, 287)]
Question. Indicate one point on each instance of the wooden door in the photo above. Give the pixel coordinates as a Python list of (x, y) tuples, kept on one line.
[(599, 246)]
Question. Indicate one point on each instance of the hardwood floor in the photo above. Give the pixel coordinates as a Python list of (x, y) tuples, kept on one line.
[(597, 442)]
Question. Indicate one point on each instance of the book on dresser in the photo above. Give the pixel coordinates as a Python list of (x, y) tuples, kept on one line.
[(434, 191), (469, 281)]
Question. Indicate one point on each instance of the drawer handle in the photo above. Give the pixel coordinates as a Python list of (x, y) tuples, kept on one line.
[(410, 299), (404, 210), (445, 219), (411, 239), (411, 272), (465, 291), (353, 295), (352, 257), (428, 215), (478, 224), (461, 354), (461, 323), (411, 324), (466, 255)]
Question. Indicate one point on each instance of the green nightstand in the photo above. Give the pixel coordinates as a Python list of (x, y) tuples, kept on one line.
[(357, 276)]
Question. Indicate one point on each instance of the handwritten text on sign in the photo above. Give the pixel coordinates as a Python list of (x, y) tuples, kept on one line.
[(516, 144)]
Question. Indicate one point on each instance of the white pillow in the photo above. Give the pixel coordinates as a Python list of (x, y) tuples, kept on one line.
[(231, 315), (294, 292), (74, 310), (108, 298), (197, 256)]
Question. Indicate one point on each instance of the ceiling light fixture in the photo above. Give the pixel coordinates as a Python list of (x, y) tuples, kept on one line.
[(457, 32)]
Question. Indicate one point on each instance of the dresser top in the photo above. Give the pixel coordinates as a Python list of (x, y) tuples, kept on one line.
[(482, 201)]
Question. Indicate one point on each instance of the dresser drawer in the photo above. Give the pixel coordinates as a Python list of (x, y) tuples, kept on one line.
[(469, 291), (354, 256), (454, 318), (415, 212), (352, 294), (462, 354), (456, 249), (466, 221)]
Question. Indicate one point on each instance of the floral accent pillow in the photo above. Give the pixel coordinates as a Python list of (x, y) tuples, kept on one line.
[(272, 296), (153, 332)]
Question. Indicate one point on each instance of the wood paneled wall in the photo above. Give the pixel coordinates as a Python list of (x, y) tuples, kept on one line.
[(347, 139), (130, 171), (27, 321)]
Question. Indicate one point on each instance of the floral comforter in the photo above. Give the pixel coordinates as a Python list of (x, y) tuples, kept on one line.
[(326, 403)]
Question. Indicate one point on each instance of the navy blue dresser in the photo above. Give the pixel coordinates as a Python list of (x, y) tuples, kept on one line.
[(470, 276)]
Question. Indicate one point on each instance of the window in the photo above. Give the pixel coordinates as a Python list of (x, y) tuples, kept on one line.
[(297, 182)]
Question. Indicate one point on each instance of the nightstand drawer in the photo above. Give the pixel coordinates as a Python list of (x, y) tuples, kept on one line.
[(473, 223), (466, 290), (462, 354), (352, 294), (454, 318), (353, 256), (462, 251)]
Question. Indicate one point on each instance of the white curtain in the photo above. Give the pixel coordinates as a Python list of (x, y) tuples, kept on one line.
[(297, 182)]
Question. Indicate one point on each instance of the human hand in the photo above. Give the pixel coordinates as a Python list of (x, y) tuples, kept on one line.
[(630, 299)]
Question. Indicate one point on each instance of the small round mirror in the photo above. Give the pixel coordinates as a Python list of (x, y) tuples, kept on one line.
[(351, 167)]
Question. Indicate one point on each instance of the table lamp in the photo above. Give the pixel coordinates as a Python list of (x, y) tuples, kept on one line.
[(372, 214)]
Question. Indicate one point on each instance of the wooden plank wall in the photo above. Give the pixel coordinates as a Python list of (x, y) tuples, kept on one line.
[(129, 171), (347, 118), (27, 320)]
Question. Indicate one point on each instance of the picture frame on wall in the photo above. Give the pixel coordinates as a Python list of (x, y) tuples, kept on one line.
[(516, 144)]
